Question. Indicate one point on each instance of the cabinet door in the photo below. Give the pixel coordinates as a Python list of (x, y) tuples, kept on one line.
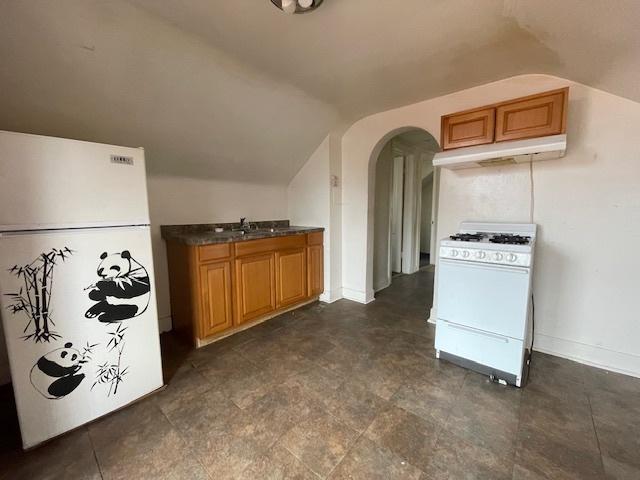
[(315, 270), (291, 275), (467, 129), (535, 116), (215, 285), (255, 286)]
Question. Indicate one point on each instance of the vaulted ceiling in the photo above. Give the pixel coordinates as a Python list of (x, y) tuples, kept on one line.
[(364, 56), (238, 90)]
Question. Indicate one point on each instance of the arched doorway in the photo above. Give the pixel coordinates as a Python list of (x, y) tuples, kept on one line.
[(397, 167)]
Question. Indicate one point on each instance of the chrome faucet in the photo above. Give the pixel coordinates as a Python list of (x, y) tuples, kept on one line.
[(246, 226)]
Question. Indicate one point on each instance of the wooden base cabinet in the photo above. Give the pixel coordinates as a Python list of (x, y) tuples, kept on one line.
[(255, 286), (221, 288), (315, 262), (292, 276), (215, 295)]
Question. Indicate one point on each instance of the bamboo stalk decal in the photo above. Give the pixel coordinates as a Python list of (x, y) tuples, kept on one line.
[(34, 300), (45, 310), (36, 317)]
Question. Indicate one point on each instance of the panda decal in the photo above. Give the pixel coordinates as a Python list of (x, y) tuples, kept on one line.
[(56, 374), (123, 291)]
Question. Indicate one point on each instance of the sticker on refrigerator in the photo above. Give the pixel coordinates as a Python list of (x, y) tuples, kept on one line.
[(59, 372), (123, 291), (111, 373), (34, 296)]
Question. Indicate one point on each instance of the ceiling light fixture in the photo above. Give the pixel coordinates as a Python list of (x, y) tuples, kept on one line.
[(297, 6)]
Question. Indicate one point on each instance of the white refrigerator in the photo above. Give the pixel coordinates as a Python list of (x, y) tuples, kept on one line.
[(77, 292)]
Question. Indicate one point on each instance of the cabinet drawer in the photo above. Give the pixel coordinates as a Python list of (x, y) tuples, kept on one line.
[(468, 128), (535, 116), (253, 247), (213, 252), (315, 238)]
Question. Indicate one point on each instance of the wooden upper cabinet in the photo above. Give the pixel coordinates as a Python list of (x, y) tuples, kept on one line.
[(468, 128), (537, 115), (534, 116), (255, 286), (315, 268), (215, 293), (291, 276)]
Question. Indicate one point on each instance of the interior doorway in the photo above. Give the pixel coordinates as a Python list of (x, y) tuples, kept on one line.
[(427, 220), (396, 208), (399, 211)]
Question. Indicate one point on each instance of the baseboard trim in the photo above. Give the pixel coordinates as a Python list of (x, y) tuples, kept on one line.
[(432, 316), (386, 285), (358, 295), (203, 342), (330, 296), (591, 355)]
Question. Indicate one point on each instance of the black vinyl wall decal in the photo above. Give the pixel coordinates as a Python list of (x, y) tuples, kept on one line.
[(123, 291), (58, 373), (111, 373), (34, 296)]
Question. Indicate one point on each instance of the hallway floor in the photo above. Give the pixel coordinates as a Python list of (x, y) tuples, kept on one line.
[(349, 391)]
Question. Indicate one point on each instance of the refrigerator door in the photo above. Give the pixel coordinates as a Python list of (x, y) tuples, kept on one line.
[(80, 321), (48, 182)]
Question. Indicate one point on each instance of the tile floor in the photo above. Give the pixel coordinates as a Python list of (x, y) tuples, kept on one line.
[(348, 391)]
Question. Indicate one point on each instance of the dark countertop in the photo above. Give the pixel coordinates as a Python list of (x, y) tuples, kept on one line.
[(204, 234)]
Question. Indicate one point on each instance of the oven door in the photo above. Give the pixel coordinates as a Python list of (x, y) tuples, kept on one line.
[(492, 298)]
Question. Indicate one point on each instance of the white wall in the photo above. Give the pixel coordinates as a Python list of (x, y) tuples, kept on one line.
[(110, 72), (587, 206), (315, 199), (177, 200), (382, 212), (425, 213), (309, 201)]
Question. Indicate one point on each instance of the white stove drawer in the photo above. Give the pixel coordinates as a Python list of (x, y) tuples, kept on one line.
[(496, 351)]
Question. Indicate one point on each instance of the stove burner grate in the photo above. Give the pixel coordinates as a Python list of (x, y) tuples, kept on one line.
[(467, 237), (510, 239)]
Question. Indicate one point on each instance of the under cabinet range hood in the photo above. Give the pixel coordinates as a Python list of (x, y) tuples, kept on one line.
[(503, 153)]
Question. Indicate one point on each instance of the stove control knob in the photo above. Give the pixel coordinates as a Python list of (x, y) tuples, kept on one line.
[(454, 253), (498, 257), (511, 257), (480, 254), (465, 254)]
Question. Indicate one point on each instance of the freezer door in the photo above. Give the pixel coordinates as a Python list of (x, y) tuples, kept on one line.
[(80, 321), (48, 182)]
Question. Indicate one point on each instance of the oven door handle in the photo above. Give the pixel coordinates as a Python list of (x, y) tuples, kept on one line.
[(487, 266)]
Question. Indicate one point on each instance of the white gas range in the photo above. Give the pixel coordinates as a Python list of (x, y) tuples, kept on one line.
[(483, 305)]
